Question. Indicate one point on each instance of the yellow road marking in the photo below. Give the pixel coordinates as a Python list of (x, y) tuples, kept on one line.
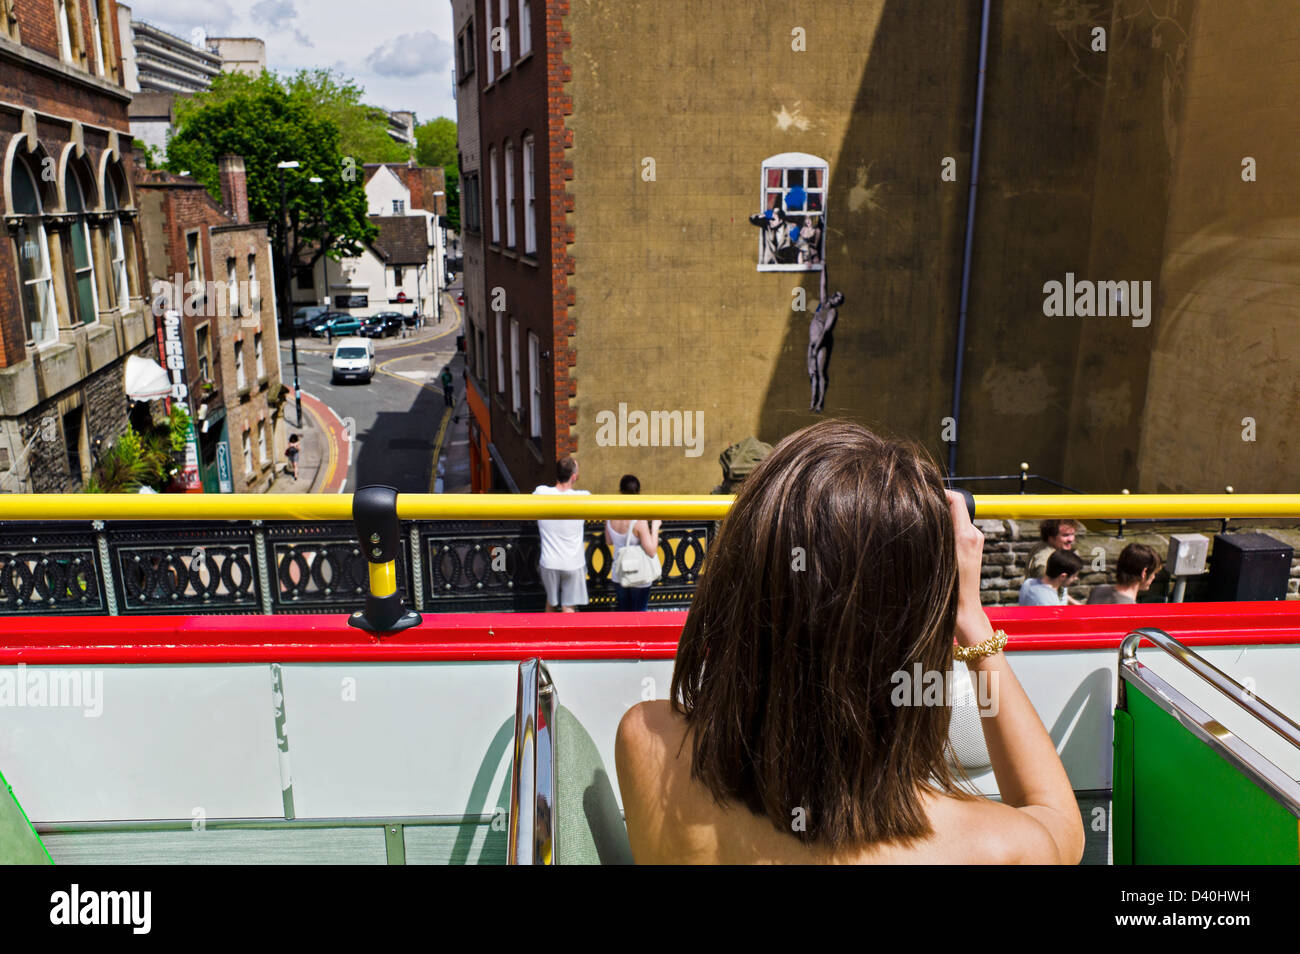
[(437, 448), (333, 451)]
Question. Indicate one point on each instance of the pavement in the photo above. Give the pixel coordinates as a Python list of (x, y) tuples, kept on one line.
[(324, 458)]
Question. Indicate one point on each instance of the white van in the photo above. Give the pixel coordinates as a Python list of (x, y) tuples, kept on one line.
[(354, 358)]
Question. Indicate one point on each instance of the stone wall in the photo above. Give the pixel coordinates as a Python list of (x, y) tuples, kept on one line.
[(1008, 543)]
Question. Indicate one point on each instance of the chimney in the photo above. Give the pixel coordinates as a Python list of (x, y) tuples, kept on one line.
[(234, 187)]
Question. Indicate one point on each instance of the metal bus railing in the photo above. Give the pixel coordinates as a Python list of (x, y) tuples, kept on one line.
[(58, 507), (532, 838)]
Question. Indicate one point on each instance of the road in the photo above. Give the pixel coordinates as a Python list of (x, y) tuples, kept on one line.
[(396, 415)]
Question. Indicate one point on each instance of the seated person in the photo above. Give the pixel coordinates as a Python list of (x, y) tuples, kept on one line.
[(782, 740), (1062, 569), (1137, 566), (1055, 535)]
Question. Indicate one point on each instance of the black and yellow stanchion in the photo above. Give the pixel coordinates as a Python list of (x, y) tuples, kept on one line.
[(374, 512)]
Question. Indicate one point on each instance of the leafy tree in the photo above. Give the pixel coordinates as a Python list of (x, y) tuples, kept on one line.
[(363, 129), (148, 153), (435, 145), (259, 119)]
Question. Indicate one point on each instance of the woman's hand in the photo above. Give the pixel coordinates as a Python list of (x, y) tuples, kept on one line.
[(972, 625)]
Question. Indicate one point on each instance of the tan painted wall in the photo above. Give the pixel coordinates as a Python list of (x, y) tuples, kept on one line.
[(1226, 344), (1115, 165), (671, 312)]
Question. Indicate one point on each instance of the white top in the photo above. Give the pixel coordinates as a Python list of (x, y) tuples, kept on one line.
[(561, 539), (621, 540)]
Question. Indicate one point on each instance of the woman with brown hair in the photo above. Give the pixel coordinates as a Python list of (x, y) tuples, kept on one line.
[(841, 565)]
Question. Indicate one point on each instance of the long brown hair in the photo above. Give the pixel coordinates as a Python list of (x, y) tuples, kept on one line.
[(834, 571)]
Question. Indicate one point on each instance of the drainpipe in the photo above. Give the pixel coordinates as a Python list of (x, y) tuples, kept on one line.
[(970, 241)]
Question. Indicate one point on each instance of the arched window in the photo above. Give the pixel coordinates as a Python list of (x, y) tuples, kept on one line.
[(792, 222), (83, 263), (118, 289), (37, 291)]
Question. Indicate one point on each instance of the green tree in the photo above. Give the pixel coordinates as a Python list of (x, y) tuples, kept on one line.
[(258, 118), (435, 145), (363, 129)]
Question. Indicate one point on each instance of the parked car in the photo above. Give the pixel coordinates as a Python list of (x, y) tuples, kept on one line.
[(337, 323), (353, 358), (303, 317), (382, 325), (411, 320)]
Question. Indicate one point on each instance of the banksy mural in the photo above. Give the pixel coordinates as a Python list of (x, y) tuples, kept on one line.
[(821, 339)]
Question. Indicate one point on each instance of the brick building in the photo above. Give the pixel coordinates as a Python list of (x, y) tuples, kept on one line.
[(517, 301), (465, 23), (72, 308), (210, 263)]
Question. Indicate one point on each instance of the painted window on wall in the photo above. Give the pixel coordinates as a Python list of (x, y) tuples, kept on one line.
[(792, 220)]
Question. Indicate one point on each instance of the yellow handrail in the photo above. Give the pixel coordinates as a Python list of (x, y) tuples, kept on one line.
[(40, 507)]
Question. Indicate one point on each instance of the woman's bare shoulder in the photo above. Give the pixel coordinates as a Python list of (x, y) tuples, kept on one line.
[(649, 735), (989, 832)]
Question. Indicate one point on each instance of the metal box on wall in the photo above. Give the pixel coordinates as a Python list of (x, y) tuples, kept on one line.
[(1249, 566)]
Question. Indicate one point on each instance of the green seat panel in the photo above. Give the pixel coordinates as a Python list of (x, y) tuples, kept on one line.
[(19, 843), (1179, 802), (590, 828)]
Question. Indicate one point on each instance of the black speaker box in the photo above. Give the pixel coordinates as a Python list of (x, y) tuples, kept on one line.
[(1248, 566)]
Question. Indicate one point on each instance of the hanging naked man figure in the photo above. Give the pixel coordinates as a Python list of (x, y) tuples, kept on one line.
[(820, 341)]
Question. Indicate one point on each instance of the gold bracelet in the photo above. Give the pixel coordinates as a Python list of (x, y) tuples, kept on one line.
[(994, 644)]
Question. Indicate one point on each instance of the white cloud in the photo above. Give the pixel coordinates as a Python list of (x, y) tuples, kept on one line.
[(182, 16), (411, 54), (275, 12)]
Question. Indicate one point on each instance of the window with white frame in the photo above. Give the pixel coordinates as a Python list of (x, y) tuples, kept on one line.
[(258, 358), (501, 354), (241, 380), (254, 287), (232, 286), (97, 34), (525, 28), (510, 195), (535, 386), (489, 37), (495, 198), (261, 443), (36, 287), (86, 304), (530, 200), (399, 207), (505, 34), (118, 285), (63, 13), (514, 365), (193, 261), (792, 223), (248, 455)]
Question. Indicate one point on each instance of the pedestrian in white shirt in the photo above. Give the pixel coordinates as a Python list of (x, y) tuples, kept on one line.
[(563, 566)]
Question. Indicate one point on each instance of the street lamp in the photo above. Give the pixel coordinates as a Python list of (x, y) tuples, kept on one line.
[(324, 238), (285, 280)]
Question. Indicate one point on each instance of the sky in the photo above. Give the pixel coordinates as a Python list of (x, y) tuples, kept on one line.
[(400, 51)]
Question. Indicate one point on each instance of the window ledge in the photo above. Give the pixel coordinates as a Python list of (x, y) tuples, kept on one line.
[(530, 260), (523, 59), (509, 253)]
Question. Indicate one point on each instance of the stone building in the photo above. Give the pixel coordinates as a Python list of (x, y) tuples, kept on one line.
[(683, 209), (73, 302), (211, 264)]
